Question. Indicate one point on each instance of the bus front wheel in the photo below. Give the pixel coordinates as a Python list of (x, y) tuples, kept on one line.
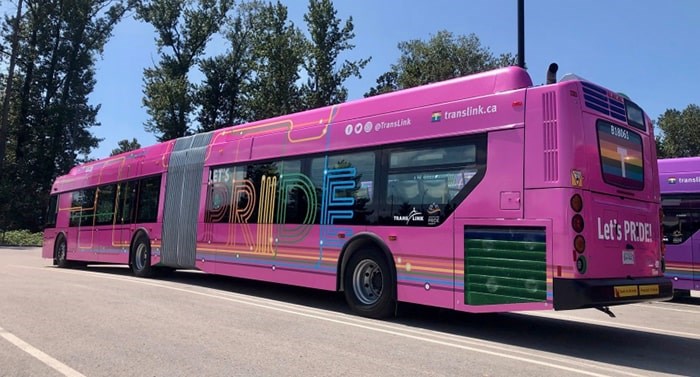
[(369, 285), (61, 253), (141, 257)]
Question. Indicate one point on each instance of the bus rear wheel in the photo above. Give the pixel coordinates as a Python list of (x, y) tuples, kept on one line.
[(368, 283), (61, 253), (141, 256)]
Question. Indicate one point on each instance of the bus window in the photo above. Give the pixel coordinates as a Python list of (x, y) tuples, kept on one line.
[(52, 212), (127, 195), (353, 175), (457, 154), (621, 156), (105, 205), (83, 207), (426, 179), (149, 192), (298, 196), (681, 217), (220, 196)]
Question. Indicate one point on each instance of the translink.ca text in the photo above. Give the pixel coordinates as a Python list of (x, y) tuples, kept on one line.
[(471, 111)]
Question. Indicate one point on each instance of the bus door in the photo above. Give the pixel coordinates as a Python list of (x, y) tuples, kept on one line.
[(50, 230), (103, 223), (124, 223), (681, 223), (82, 218)]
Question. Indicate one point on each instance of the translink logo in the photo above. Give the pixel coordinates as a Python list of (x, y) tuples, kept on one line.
[(437, 116)]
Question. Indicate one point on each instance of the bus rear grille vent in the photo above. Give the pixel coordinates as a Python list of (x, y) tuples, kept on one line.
[(551, 135), (504, 265)]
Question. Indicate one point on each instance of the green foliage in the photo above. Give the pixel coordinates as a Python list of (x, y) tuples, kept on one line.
[(258, 77), (443, 57), (21, 238), (167, 97), (681, 133), (221, 95), (50, 115), (325, 85), (277, 52), (125, 146), (184, 27)]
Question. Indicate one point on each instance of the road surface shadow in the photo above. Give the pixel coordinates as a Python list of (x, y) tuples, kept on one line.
[(688, 300), (653, 352)]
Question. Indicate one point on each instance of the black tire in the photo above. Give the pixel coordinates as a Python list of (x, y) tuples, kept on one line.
[(60, 253), (369, 285), (141, 256)]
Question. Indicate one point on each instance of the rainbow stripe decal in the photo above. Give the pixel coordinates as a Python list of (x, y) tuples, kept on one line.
[(620, 156)]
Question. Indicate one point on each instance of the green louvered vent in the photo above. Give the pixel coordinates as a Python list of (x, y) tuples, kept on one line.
[(504, 265)]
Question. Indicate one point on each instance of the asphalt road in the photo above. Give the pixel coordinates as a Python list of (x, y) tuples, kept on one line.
[(101, 321)]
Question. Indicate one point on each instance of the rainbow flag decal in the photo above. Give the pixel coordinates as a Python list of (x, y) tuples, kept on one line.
[(437, 116), (621, 156)]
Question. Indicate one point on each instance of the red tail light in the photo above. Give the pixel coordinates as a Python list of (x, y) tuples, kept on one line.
[(577, 223)]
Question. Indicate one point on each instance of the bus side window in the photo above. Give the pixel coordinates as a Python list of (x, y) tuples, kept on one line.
[(52, 212), (127, 196), (149, 193), (436, 191), (296, 197), (104, 214), (361, 184), (405, 192), (681, 217), (82, 207), (430, 178)]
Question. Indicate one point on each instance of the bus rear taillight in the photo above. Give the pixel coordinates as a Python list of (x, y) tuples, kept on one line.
[(576, 203), (577, 224), (579, 244)]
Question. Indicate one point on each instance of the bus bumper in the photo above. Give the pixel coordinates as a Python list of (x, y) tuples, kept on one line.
[(591, 293)]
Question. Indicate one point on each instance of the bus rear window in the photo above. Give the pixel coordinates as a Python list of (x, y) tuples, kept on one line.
[(621, 158), (635, 115)]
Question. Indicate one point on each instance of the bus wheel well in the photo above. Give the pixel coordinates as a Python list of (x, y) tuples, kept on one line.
[(140, 254), (138, 233), (360, 243), (60, 242)]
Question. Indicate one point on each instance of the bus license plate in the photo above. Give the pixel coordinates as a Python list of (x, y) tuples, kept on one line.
[(626, 290), (651, 289), (627, 256)]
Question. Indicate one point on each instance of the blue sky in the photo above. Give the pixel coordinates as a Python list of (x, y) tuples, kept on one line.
[(649, 50)]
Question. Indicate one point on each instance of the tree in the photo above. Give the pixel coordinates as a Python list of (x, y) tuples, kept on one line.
[(387, 82), (324, 85), (277, 49), (184, 27), (681, 133), (220, 97), (125, 146), (50, 116), (443, 57), (8, 85)]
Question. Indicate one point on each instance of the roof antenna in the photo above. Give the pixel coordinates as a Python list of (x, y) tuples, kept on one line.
[(552, 73)]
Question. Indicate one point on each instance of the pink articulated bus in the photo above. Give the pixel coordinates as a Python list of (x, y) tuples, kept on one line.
[(480, 194), (680, 199)]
